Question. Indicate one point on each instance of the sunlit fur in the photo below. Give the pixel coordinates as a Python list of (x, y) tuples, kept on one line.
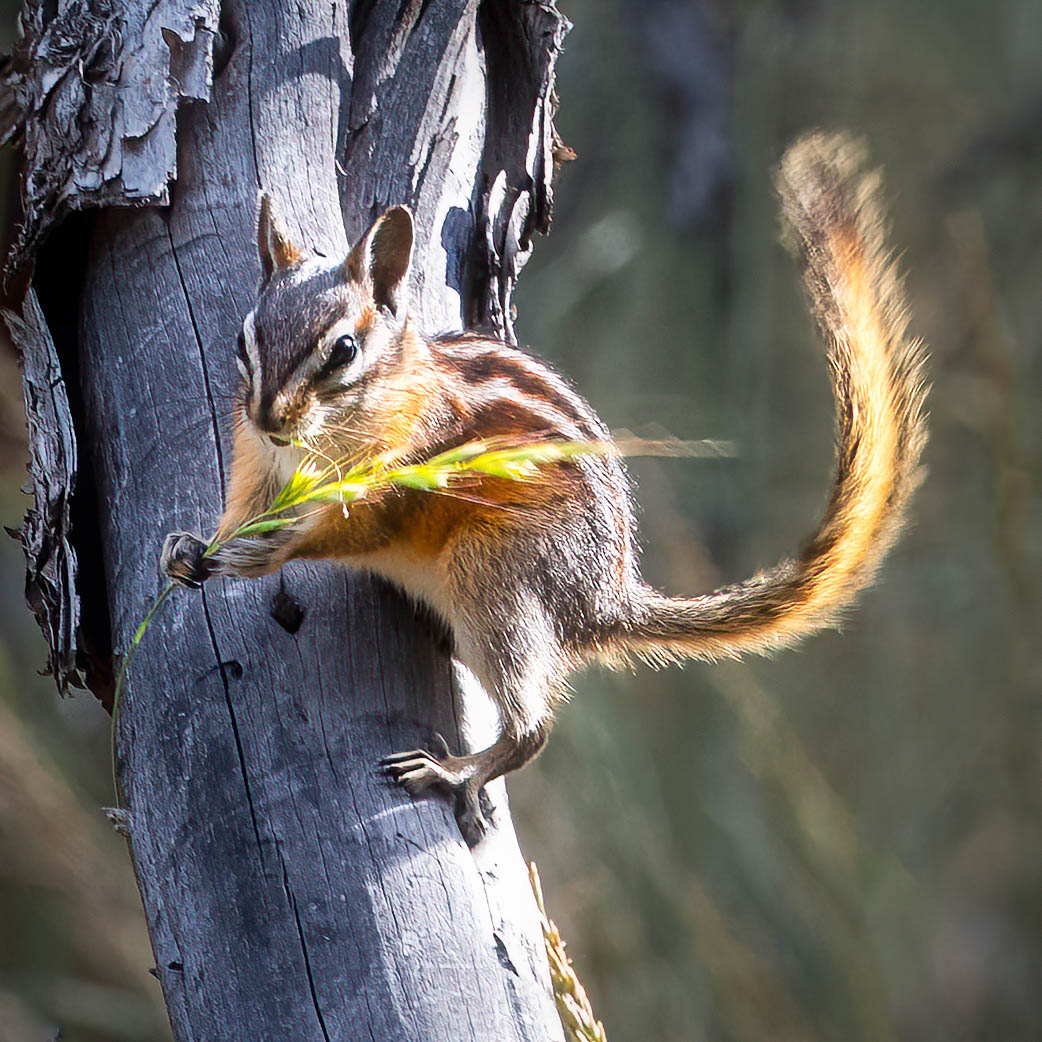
[(832, 210), (533, 579)]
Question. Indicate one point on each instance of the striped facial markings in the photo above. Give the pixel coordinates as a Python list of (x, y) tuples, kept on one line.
[(317, 388), (248, 360)]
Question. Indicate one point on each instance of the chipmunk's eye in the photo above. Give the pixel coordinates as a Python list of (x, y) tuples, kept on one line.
[(345, 351)]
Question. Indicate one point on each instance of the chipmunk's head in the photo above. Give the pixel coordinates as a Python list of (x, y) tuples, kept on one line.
[(324, 339)]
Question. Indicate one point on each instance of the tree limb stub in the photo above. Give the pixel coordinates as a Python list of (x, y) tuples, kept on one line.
[(290, 892)]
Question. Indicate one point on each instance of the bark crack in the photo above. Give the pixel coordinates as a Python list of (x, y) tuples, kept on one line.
[(211, 406), (235, 725), (403, 991), (249, 96), (303, 945)]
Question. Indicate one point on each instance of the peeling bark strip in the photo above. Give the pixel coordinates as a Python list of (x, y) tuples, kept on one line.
[(98, 86), (523, 41), (92, 90), (290, 891), (47, 529)]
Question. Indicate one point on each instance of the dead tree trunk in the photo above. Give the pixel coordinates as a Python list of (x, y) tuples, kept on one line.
[(290, 892)]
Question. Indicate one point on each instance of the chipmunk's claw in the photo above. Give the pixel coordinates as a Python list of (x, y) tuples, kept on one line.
[(470, 814), (419, 770), (183, 560)]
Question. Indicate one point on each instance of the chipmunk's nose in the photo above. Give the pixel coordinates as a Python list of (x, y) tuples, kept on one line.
[(270, 423)]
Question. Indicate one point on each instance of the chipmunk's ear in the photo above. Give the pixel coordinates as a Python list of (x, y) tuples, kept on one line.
[(382, 257), (273, 242)]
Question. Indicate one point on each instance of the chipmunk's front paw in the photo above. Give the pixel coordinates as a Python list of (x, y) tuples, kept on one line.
[(184, 561)]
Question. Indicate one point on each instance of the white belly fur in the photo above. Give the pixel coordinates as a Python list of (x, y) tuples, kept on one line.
[(420, 577)]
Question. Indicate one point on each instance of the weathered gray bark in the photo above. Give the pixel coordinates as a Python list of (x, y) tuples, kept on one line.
[(290, 892)]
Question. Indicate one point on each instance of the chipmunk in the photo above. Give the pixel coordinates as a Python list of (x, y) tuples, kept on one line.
[(535, 579)]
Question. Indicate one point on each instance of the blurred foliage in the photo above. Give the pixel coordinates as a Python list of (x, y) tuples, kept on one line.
[(840, 843), (837, 844)]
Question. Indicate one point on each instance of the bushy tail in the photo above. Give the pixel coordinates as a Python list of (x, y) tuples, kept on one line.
[(831, 207)]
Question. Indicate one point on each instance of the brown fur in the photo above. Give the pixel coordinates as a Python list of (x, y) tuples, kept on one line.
[(535, 578), (833, 212)]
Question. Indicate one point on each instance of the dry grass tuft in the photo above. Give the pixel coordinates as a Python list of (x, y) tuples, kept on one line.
[(573, 1004)]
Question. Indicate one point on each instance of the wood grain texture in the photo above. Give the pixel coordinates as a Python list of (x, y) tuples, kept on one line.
[(291, 893)]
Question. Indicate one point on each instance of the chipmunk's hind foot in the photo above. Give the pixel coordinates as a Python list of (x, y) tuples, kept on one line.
[(465, 777), (419, 770)]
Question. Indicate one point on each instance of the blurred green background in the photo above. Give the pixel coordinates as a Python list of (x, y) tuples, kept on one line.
[(842, 843)]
